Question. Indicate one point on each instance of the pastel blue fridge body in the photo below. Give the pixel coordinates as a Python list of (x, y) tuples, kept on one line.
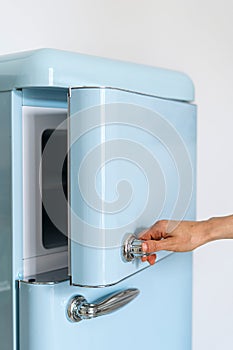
[(131, 136)]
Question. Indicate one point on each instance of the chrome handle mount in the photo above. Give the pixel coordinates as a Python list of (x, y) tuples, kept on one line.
[(79, 309), (132, 248)]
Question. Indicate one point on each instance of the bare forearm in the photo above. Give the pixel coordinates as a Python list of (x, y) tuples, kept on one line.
[(185, 235), (219, 228)]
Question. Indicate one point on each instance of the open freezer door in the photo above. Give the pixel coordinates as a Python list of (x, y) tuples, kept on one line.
[(131, 162)]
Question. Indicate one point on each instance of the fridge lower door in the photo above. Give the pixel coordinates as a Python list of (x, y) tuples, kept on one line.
[(159, 318)]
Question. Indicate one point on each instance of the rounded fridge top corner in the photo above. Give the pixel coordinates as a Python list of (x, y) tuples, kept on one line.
[(57, 68)]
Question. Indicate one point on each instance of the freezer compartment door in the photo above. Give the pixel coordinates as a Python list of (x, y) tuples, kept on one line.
[(131, 162)]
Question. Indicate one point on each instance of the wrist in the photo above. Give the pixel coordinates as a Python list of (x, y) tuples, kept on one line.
[(219, 228), (210, 230)]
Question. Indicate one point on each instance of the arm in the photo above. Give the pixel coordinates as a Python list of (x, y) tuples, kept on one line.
[(184, 236)]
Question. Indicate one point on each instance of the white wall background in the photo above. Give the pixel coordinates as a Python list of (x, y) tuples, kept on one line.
[(191, 36)]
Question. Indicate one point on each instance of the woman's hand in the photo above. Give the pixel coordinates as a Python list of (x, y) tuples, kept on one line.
[(174, 236)]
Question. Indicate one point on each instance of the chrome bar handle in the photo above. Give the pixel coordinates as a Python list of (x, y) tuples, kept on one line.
[(79, 309)]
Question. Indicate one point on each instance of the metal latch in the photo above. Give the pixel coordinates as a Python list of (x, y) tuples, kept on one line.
[(132, 248)]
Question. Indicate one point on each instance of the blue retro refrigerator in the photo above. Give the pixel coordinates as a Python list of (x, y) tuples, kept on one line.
[(92, 152)]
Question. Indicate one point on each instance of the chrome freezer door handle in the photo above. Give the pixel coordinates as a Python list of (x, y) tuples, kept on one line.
[(132, 248), (79, 309)]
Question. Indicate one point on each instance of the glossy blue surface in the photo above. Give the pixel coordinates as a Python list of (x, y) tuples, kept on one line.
[(10, 215), (159, 318), (55, 68), (17, 207), (132, 159), (47, 97), (6, 317)]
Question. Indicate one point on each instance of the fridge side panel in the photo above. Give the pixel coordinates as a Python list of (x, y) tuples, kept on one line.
[(6, 314)]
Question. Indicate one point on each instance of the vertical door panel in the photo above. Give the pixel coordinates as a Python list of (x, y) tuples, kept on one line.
[(132, 162)]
